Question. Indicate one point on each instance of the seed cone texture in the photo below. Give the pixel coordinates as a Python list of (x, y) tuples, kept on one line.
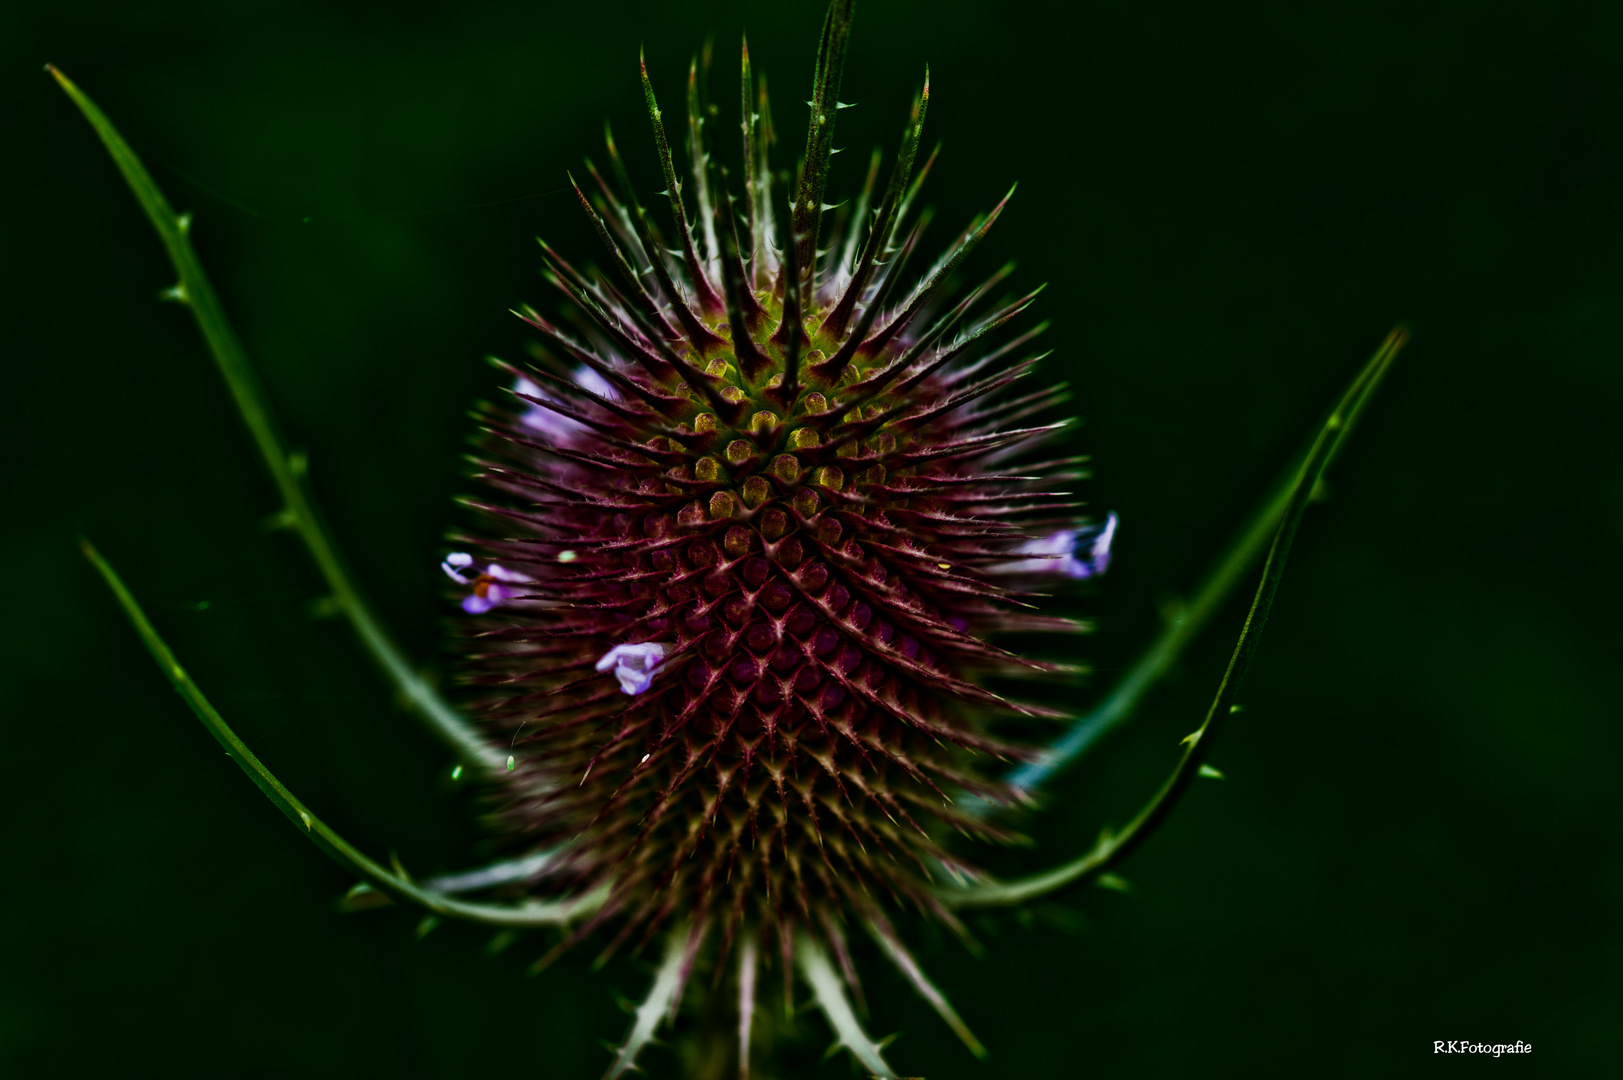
[(766, 441)]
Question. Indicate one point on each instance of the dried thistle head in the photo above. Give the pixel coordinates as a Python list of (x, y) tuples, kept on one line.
[(756, 522)]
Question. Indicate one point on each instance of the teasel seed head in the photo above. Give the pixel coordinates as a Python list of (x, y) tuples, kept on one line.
[(757, 520)]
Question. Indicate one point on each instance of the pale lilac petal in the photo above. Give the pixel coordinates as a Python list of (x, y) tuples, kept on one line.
[(488, 588), (1072, 567), (455, 561), (524, 386), (539, 417), (634, 665), (588, 379), (633, 682), (1100, 553), (550, 422), (1054, 554), (1062, 543), (1061, 551)]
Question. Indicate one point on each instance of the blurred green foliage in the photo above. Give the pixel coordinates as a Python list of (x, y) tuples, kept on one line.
[(1418, 838)]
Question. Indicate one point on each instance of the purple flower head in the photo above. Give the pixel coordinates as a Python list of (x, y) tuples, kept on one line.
[(1057, 553), (555, 425), (634, 665), (492, 586)]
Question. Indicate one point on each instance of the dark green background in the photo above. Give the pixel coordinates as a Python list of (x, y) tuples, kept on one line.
[(1419, 838)]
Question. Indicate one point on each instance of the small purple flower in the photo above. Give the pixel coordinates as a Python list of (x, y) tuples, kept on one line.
[(634, 665), (555, 424), (492, 586), (1061, 551)]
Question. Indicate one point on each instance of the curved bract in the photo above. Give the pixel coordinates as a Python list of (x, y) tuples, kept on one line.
[(286, 469), (1112, 847), (529, 914)]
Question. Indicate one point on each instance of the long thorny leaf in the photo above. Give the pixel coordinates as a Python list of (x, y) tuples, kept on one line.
[(1111, 848), (1184, 623), (286, 469), (532, 913)]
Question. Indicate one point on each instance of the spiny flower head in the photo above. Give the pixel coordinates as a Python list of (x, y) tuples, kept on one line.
[(760, 515)]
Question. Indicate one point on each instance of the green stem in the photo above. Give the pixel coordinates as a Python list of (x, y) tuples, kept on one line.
[(1112, 848), (532, 913), (287, 470)]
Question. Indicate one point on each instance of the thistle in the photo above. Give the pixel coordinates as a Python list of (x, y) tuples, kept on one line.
[(756, 521), (759, 520)]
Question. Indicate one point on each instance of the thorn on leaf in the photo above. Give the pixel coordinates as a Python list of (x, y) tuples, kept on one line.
[(363, 897)]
